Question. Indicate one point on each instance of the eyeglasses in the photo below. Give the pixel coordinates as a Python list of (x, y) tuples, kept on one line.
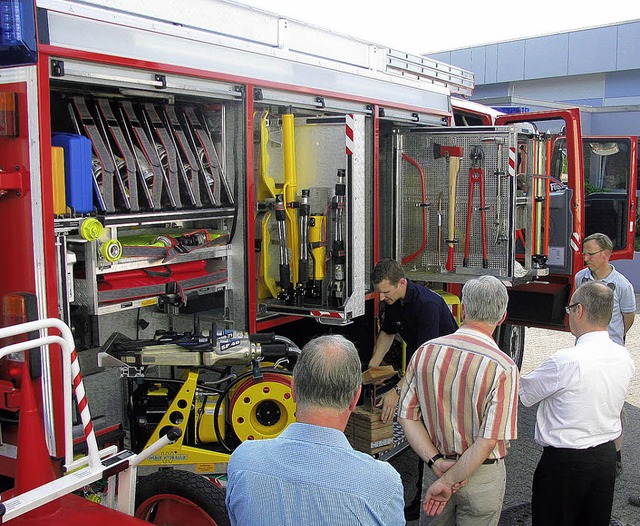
[(568, 308), (591, 254)]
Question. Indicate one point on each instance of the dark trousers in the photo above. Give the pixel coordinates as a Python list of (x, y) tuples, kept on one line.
[(415, 502), (574, 487)]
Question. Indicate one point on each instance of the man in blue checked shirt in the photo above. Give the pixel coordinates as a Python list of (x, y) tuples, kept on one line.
[(310, 474)]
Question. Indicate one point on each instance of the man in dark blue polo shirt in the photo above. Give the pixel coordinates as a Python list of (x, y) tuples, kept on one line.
[(415, 312)]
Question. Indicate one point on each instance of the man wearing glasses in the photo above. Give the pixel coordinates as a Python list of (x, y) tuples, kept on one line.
[(596, 250), (581, 391)]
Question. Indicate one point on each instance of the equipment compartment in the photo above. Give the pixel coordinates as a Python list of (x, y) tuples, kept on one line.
[(165, 154), (310, 220), (463, 202)]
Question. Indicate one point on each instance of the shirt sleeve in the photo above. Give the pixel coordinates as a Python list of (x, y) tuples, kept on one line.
[(389, 321), (627, 299), (409, 405), (540, 383)]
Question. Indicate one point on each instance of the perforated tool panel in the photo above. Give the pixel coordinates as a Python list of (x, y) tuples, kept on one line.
[(423, 164)]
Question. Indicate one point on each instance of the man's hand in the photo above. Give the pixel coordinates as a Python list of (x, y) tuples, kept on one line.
[(442, 466), (388, 402), (437, 497)]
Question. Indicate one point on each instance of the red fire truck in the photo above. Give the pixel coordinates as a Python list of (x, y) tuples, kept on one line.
[(217, 166)]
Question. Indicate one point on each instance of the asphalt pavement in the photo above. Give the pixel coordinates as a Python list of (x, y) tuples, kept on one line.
[(524, 453)]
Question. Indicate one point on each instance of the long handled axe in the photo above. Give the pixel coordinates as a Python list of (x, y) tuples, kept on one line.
[(453, 155)]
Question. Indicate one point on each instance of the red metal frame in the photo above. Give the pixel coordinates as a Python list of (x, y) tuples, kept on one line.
[(484, 117), (628, 252), (252, 295), (376, 208), (575, 167), (15, 207), (18, 269)]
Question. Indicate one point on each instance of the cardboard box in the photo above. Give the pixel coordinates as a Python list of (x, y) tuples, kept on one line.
[(367, 433)]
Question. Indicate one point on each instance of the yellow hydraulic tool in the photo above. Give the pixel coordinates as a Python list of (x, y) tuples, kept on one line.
[(266, 184), (267, 286), (289, 190), (257, 404), (541, 203), (318, 247), (266, 190), (205, 461)]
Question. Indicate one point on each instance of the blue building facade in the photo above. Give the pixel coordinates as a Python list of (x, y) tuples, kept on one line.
[(596, 69)]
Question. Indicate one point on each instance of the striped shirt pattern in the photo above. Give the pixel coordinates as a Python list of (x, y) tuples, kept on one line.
[(463, 387)]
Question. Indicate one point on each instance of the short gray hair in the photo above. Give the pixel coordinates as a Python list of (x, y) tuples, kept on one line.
[(596, 299), (603, 240), (485, 299), (328, 373)]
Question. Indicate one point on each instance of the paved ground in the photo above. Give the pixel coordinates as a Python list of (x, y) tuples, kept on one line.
[(524, 453)]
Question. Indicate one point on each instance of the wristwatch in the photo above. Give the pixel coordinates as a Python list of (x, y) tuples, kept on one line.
[(434, 459), (398, 389)]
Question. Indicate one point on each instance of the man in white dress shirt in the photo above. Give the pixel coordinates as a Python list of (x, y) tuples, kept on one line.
[(581, 391)]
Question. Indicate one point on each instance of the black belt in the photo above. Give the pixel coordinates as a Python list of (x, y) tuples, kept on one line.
[(487, 461)]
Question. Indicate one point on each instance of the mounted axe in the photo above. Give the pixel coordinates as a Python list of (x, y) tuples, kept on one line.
[(453, 155)]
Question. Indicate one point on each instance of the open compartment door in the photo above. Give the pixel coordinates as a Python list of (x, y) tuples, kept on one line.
[(455, 203), (310, 222), (610, 180)]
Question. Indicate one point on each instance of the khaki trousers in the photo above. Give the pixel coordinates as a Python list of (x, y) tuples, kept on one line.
[(478, 503)]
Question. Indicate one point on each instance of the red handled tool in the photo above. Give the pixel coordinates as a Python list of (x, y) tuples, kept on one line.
[(423, 205), (476, 177), (453, 154)]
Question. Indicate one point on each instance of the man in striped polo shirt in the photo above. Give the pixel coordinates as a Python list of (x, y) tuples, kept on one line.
[(458, 409)]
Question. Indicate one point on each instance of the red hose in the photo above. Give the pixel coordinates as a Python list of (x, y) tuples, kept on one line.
[(413, 256)]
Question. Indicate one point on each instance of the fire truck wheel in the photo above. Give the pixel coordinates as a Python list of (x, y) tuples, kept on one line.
[(511, 340), (173, 497)]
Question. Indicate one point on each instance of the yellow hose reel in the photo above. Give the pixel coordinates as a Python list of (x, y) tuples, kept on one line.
[(262, 408)]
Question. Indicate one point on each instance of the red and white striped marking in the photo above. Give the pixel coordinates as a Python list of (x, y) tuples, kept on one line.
[(575, 242), (512, 162), (326, 314), (81, 396), (349, 124)]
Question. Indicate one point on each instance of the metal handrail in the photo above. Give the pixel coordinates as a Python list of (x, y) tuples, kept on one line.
[(69, 367), (90, 468)]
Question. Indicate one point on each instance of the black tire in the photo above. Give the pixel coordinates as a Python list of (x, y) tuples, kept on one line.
[(177, 488), (510, 339)]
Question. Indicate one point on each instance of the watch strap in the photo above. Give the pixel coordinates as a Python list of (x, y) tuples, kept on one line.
[(434, 459)]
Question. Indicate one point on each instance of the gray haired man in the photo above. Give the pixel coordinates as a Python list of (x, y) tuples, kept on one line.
[(581, 391), (310, 474), (458, 409)]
